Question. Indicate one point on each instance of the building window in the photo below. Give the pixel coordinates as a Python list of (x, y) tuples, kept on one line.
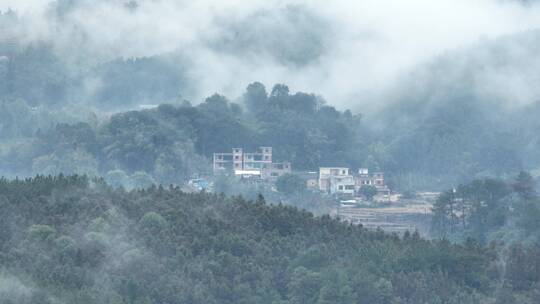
[(236, 157), (266, 157), (349, 187), (343, 172), (340, 187)]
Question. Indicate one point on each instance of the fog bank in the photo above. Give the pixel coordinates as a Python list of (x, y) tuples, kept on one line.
[(349, 52)]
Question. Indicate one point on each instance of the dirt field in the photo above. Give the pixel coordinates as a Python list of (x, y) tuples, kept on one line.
[(398, 217)]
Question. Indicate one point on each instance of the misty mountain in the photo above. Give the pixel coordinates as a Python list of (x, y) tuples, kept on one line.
[(383, 117), (468, 112), (351, 55)]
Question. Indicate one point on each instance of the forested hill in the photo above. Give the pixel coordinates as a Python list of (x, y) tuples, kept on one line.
[(75, 240), (435, 147), (490, 209), (461, 116), (466, 113), (172, 143)]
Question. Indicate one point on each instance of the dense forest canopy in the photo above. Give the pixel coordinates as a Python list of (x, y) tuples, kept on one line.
[(490, 210), (71, 239)]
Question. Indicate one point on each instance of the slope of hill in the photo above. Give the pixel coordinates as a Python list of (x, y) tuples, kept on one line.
[(74, 240)]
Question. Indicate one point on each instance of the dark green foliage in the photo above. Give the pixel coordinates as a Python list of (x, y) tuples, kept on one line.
[(290, 183), (255, 97), (173, 143), (524, 186), (523, 267), (303, 130), (39, 65), (368, 191), (489, 209), (56, 80), (77, 240), (442, 129)]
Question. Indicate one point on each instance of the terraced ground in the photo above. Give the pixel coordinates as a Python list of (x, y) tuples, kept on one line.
[(396, 217)]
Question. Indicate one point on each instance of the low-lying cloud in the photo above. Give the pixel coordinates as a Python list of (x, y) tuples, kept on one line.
[(351, 52)]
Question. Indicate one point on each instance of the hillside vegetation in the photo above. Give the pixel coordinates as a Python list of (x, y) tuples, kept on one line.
[(75, 240), (447, 122)]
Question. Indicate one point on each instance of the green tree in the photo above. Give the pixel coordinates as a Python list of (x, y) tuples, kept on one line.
[(117, 178), (368, 191), (165, 246), (304, 286), (290, 183), (525, 185), (153, 222), (255, 97), (141, 180), (41, 232)]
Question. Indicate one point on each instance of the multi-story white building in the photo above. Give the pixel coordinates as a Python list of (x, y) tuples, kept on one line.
[(259, 164), (336, 180), (340, 181)]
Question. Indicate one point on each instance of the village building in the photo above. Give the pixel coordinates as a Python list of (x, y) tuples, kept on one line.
[(336, 181), (375, 179), (257, 164), (340, 181)]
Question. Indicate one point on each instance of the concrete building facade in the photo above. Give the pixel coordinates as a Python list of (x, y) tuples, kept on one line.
[(258, 164), (336, 181), (375, 179), (340, 181)]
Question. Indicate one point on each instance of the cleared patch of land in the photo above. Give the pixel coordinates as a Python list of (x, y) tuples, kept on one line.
[(396, 217)]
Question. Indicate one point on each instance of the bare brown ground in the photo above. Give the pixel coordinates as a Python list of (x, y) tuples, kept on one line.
[(397, 217)]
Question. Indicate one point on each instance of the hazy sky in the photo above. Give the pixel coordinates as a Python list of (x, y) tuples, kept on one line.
[(348, 51)]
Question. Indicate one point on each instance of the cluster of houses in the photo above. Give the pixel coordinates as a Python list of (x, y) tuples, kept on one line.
[(337, 181)]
